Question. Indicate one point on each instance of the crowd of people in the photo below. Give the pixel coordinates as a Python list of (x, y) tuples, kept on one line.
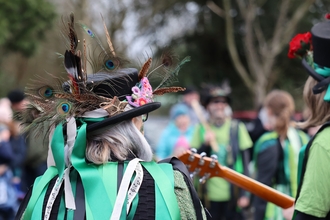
[(22, 157), (79, 152), (274, 142)]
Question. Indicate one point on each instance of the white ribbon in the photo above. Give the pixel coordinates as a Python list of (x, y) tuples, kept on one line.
[(52, 197), (50, 157), (135, 186), (71, 132), (295, 142), (121, 197), (68, 194)]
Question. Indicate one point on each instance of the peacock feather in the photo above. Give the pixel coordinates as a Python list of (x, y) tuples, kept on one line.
[(54, 99)]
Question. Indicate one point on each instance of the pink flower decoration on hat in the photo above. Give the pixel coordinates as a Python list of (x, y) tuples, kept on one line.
[(136, 90), (142, 93), (142, 101)]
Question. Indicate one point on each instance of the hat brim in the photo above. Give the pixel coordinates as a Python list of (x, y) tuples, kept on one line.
[(323, 82), (311, 71), (144, 109), (209, 98)]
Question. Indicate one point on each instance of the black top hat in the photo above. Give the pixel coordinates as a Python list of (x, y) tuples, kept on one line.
[(321, 55), (118, 84)]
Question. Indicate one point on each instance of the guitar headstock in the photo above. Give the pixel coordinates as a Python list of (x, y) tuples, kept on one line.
[(200, 165)]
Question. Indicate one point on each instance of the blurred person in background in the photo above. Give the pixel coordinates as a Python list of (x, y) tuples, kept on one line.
[(276, 154), (176, 137), (17, 143), (233, 141), (35, 161), (188, 96), (259, 126), (8, 195)]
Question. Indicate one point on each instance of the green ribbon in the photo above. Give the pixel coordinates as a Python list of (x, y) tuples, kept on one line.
[(57, 146), (95, 192), (164, 190), (323, 71), (38, 191)]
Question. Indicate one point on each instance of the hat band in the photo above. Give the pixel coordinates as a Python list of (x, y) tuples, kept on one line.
[(324, 84), (323, 71)]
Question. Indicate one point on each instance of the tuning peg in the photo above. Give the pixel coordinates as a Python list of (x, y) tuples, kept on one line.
[(201, 160), (204, 178), (214, 160), (214, 157), (191, 157), (193, 150), (196, 171)]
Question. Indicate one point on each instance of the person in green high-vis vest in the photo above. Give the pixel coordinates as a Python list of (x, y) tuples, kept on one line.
[(100, 165), (276, 154), (312, 198), (223, 199)]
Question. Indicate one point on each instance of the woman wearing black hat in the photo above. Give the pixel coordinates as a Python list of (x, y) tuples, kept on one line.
[(313, 200), (100, 164)]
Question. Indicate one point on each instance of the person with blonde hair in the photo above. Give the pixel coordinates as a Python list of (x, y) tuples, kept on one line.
[(276, 154), (313, 200)]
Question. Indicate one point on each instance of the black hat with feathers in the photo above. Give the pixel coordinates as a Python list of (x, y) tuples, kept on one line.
[(112, 92)]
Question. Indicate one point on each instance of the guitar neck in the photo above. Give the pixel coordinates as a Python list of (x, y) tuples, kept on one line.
[(206, 167), (261, 190)]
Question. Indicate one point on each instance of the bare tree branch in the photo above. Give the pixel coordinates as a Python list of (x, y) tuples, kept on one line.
[(233, 49), (292, 24), (262, 44), (215, 8), (252, 57), (278, 30), (242, 8), (260, 3), (260, 54)]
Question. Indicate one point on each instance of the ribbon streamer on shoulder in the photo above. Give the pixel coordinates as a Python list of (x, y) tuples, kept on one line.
[(133, 166)]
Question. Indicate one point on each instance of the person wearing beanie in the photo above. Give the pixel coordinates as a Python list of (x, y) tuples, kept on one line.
[(176, 137), (312, 199)]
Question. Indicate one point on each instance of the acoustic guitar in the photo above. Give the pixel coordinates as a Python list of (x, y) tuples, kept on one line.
[(206, 167)]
